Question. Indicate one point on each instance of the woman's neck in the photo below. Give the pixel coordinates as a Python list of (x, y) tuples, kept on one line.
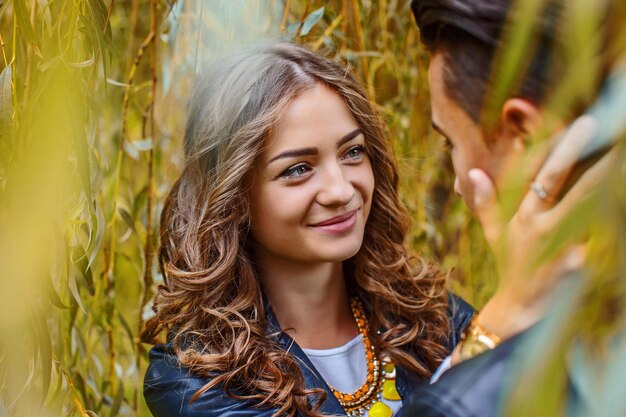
[(310, 301)]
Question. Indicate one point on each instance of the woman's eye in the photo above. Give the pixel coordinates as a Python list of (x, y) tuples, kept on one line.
[(296, 171), (447, 144), (356, 152)]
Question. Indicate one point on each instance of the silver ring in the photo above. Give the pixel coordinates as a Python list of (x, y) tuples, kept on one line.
[(539, 190)]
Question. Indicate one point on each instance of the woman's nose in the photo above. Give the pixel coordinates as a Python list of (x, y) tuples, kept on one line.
[(337, 189)]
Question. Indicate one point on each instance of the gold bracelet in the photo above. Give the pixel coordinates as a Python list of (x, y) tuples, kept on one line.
[(476, 339)]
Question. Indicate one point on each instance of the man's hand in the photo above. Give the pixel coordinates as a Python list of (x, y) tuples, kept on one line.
[(527, 278)]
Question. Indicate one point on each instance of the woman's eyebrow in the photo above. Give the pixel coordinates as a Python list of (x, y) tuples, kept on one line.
[(294, 153), (348, 137)]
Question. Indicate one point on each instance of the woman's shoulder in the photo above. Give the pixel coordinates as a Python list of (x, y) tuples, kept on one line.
[(169, 387), (165, 371)]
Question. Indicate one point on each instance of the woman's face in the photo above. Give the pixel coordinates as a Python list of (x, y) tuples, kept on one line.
[(313, 185)]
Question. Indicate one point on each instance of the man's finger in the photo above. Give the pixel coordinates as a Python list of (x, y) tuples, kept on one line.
[(486, 206), (558, 166), (585, 185)]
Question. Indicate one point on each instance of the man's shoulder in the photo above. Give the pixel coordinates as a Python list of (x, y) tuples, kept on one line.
[(471, 389)]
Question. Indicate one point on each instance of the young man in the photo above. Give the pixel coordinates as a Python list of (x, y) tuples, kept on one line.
[(490, 132)]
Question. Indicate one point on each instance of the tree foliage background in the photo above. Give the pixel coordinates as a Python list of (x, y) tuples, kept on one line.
[(92, 106)]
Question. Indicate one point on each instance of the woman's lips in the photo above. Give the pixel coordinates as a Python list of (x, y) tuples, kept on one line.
[(338, 224)]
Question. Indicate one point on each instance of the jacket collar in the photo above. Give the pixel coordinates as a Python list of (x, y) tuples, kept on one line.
[(312, 377)]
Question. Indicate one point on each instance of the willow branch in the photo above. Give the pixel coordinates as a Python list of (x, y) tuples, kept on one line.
[(304, 15), (360, 38), (106, 22), (72, 388), (148, 251), (283, 23)]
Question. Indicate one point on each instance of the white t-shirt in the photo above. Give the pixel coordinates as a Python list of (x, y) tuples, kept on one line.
[(345, 367)]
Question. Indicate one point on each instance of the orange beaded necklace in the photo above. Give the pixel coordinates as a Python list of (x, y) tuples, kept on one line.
[(380, 377)]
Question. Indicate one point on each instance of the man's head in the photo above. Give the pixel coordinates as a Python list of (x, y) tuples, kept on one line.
[(464, 37)]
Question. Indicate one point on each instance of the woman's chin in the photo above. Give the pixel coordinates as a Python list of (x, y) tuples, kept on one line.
[(339, 252)]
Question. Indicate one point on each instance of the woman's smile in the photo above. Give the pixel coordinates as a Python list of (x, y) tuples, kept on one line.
[(337, 225)]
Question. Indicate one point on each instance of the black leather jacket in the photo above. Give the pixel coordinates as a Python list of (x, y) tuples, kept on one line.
[(473, 388), (168, 387)]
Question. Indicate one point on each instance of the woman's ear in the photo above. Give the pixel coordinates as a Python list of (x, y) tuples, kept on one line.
[(519, 119)]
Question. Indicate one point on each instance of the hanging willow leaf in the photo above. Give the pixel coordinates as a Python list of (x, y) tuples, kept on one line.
[(76, 293), (23, 21), (79, 388), (117, 402), (128, 219), (53, 296), (82, 158), (6, 103), (143, 145), (81, 263), (51, 63), (127, 329), (311, 20), (292, 29), (131, 150), (44, 344), (99, 34), (143, 352), (98, 226), (58, 385), (83, 64)]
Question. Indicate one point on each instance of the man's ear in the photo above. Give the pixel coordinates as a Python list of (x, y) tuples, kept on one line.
[(519, 119)]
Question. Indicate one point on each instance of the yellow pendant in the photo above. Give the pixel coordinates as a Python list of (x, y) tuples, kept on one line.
[(380, 409), (388, 368), (389, 390)]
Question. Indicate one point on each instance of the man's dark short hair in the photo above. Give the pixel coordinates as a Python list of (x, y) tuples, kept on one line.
[(468, 33)]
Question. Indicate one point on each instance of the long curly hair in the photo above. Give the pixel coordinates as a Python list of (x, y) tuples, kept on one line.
[(212, 304)]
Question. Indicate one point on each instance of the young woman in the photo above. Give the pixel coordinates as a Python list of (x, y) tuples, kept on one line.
[(288, 289)]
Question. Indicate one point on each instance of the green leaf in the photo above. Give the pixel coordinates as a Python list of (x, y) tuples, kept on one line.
[(97, 224), (75, 293), (128, 219), (51, 63), (58, 385), (131, 150), (143, 145), (81, 262), (71, 320), (44, 343), (510, 61), (53, 295), (79, 384), (82, 156), (311, 20), (117, 402), (96, 19), (79, 342), (144, 352), (23, 21), (292, 29), (127, 329), (83, 64), (6, 103), (116, 83)]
